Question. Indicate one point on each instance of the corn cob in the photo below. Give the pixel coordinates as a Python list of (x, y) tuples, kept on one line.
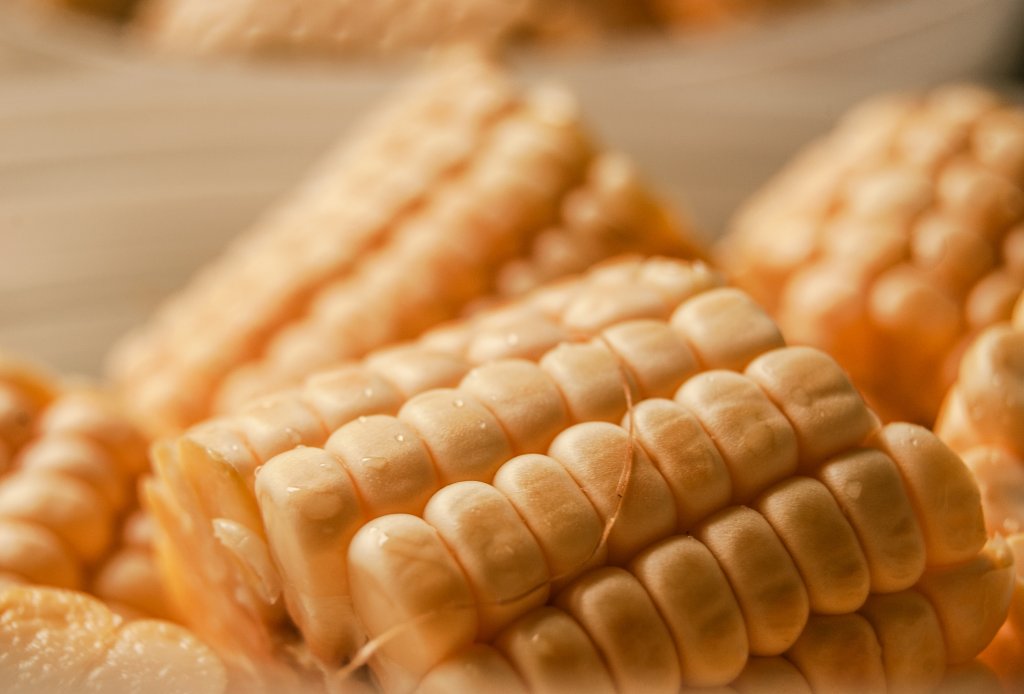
[(57, 641), (453, 423), (69, 465), (346, 28), (983, 420), (315, 27), (498, 192), (892, 241), (746, 418), (690, 14), (111, 9), (576, 21)]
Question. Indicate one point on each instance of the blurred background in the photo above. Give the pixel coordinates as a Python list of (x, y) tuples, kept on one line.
[(136, 138)]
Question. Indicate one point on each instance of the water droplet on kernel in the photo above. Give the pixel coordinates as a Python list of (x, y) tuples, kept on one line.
[(382, 537), (374, 462), (500, 553), (400, 438), (458, 402)]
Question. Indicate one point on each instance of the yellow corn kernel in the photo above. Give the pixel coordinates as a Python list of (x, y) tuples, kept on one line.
[(440, 604), (684, 454), (34, 554), (567, 660), (366, 254), (775, 674), (867, 486), (531, 413), (971, 599), (893, 240), (500, 557), (558, 514), (764, 579), (58, 640), (839, 653), (24, 393), (702, 612), (985, 406), (480, 670), (810, 523), (940, 487), (755, 439), (620, 618), (910, 636), (594, 454), (1003, 655), (66, 506)]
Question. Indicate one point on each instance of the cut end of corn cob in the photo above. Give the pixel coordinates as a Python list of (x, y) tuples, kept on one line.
[(693, 497), (57, 640), (499, 191), (892, 241)]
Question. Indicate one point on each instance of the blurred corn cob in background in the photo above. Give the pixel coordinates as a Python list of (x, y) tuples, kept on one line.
[(460, 189), (689, 14), (364, 28), (62, 641), (111, 9), (324, 27), (70, 461), (664, 403), (983, 420), (892, 241)]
